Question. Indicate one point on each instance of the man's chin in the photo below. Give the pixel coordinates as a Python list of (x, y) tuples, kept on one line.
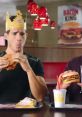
[(18, 50)]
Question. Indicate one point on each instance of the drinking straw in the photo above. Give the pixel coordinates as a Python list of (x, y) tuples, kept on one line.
[(58, 83)]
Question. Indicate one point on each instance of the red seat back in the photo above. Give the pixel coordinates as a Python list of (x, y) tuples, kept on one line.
[(53, 69)]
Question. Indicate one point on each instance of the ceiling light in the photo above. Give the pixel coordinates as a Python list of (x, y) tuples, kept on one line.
[(46, 21), (32, 7), (52, 24), (42, 12), (37, 24)]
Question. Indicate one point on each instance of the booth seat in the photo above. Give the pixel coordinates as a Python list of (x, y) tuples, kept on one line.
[(52, 71)]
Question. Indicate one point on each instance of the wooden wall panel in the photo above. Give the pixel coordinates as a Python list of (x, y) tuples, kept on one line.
[(54, 54)]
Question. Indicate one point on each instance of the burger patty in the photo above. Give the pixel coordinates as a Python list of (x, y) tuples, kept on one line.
[(73, 78)]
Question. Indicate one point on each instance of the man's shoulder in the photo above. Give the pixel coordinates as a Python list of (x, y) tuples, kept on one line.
[(2, 53), (32, 58), (77, 58)]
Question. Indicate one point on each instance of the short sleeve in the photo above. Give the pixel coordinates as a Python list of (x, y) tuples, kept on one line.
[(36, 65), (39, 68)]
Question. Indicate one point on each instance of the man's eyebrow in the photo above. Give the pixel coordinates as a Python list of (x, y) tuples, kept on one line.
[(22, 33), (15, 32)]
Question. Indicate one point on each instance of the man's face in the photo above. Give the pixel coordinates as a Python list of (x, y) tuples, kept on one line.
[(16, 40)]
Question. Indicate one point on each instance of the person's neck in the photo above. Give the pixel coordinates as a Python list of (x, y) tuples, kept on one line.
[(9, 51)]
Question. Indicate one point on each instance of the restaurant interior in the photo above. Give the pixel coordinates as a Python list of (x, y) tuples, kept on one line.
[(43, 43)]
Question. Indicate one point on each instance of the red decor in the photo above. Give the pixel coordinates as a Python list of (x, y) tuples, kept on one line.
[(46, 21), (37, 24), (28, 5), (52, 24), (42, 12), (32, 8)]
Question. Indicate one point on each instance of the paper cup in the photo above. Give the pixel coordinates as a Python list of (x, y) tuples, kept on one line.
[(59, 97), (59, 114)]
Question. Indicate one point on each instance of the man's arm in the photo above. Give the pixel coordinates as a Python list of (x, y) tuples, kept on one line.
[(36, 82), (37, 85)]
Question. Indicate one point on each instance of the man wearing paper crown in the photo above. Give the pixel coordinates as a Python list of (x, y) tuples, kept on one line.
[(15, 21), (21, 75)]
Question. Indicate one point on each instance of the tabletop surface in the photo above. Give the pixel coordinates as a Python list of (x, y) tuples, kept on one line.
[(45, 111)]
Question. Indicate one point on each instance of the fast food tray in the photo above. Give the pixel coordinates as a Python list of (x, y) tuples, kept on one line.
[(67, 107), (11, 106)]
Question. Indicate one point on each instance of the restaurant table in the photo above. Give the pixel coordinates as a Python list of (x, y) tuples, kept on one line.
[(45, 111)]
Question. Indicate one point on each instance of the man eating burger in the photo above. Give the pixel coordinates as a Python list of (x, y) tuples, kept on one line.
[(70, 80)]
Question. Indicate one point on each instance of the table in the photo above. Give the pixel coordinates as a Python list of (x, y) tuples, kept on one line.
[(43, 112)]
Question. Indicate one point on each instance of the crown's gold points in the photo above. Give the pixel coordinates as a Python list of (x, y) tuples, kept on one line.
[(18, 21)]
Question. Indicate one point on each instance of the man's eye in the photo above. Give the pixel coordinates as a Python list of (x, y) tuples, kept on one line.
[(14, 33), (22, 33)]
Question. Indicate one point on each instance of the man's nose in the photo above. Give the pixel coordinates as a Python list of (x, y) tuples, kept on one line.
[(18, 36)]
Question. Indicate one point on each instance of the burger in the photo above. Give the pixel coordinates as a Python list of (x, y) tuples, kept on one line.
[(11, 64), (71, 30), (70, 77)]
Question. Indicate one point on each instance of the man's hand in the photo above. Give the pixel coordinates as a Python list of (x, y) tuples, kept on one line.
[(80, 84), (63, 85), (3, 62), (22, 59), (60, 83)]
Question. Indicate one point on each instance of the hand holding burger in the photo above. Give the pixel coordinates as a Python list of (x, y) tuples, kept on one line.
[(6, 62), (68, 77)]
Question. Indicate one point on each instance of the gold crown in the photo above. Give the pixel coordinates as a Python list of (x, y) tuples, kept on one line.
[(18, 21)]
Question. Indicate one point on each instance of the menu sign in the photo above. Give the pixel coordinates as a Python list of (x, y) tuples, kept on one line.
[(70, 24)]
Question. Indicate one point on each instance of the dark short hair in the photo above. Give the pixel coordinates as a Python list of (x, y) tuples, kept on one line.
[(12, 18)]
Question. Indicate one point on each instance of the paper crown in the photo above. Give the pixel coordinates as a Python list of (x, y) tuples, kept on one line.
[(17, 22)]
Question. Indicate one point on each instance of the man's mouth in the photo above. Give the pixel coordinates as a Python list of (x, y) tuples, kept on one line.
[(18, 45)]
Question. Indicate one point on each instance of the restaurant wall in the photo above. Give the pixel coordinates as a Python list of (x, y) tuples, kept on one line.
[(43, 44), (47, 48), (54, 54), (47, 36)]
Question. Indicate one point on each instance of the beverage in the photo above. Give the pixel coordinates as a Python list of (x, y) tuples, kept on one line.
[(59, 97)]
